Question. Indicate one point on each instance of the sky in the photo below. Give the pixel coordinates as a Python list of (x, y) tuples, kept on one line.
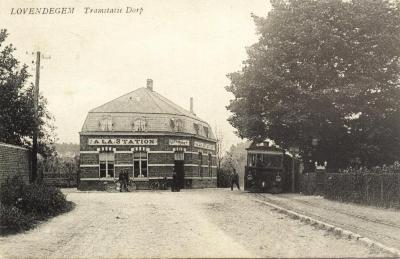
[(186, 46)]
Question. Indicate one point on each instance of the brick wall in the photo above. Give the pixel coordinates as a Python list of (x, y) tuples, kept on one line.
[(124, 158), (161, 158), (89, 159), (160, 171), (89, 172), (14, 161)]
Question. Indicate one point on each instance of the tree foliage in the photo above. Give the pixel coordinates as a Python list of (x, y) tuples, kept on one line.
[(17, 122), (235, 158), (324, 76)]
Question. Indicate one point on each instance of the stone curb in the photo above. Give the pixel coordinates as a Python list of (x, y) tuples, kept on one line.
[(336, 230)]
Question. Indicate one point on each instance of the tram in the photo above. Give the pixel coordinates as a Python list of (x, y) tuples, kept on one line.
[(268, 169)]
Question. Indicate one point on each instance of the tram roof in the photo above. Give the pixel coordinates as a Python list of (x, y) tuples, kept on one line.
[(263, 146)]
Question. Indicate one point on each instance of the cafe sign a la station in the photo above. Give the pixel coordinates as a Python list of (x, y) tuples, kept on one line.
[(145, 142), (123, 141)]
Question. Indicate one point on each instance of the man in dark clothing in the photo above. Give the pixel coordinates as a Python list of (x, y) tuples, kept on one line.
[(122, 181), (164, 183), (174, 186), (126, 174), (234, 179)]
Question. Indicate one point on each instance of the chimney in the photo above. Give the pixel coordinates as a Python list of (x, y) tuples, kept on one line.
[(150, 84), (191, 105)]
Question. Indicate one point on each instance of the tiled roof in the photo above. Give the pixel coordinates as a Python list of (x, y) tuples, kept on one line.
[(159, 113), (143, 100)]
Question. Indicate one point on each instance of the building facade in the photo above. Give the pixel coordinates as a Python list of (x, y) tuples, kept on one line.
[(149, 136)]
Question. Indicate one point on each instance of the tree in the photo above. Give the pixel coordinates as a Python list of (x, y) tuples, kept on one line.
[(324, 76), (219, 146), (235, 158), (16, 105), (14, 101)]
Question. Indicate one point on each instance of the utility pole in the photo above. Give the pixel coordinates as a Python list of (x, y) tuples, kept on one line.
[(293, 175), (294, 151), (36, 120)]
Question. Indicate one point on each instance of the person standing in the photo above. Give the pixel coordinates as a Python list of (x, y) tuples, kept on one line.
[(164, 183), (176, 185), (122, 181), (174, 182), (234, 179), (126, 175)]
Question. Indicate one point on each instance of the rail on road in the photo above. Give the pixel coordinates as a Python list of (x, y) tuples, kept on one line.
[(381, 225)]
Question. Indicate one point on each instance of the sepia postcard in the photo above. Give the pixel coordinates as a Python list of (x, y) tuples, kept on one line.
[(199, 129)]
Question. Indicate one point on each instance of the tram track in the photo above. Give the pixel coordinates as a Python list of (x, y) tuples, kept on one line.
[(353, 215), (358, 228)]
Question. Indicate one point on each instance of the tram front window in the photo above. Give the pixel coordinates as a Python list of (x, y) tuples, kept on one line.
[(276, 160), (251, 159), (264, 160)]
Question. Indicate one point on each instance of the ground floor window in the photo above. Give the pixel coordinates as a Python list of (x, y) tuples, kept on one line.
[(200, 164), (140, 164), (210, 165), (106, 160)]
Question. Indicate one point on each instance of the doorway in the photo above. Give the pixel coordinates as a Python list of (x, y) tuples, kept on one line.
[(180, 173), (179, 165)]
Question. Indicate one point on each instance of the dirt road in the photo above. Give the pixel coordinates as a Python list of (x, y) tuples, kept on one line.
[(191, 223), (381, 225)]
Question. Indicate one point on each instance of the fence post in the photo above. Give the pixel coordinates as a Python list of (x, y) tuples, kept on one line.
[(381, 190), (398, 189), (366, 182)]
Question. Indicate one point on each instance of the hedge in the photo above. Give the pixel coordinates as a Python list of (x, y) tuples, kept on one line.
[(378, 189), (22, 205)]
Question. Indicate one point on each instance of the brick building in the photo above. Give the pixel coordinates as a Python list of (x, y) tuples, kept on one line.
[(14, 161), (149, 136)]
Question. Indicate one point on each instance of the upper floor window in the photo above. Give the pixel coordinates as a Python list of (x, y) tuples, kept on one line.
[(196, 128), (179, 125), (139, 124), (206, 131), (176, 124), (106, 124), (172, 123)]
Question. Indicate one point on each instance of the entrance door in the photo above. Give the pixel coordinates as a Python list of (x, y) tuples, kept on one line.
[(180, 173), (179, 168)]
